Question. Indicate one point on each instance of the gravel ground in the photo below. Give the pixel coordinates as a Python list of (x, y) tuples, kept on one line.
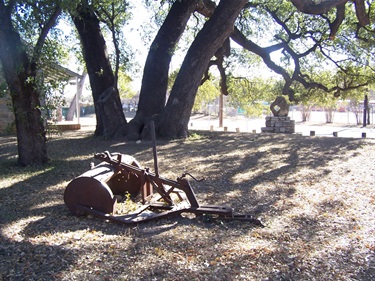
[(315, 196)]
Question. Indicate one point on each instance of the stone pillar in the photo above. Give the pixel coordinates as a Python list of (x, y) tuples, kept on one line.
[(279, 124)]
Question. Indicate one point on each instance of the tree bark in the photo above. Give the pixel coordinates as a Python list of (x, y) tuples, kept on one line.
[(313, 8), (174, 119), (155, 76), (108, 109), (20, 75)]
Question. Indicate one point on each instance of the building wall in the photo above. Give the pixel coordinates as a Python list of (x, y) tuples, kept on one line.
[(6, 115), (54, 72)]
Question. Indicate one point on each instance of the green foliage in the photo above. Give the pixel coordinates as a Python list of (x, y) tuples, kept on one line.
[(251, 96), (30, 19), (52, 97), (3, 84), (339, 80), (265, 23), (171, 78), (241, 60), (114, 14), (310, 44), (43, 43), (208, 92), (124, 86), (195, 136), (160, 9)]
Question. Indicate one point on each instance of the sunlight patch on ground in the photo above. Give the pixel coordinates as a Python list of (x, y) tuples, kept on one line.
[(245, 176), (17, 178), (58, 187), (242, 177), (233, 194), (9, 156), (46, 204), (14, 230), (80, 158)]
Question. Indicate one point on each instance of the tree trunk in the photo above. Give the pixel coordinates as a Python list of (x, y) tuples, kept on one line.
[(155, 76), (108, 109), (73, 103), (174, 119), (329, 115), (20, 76)]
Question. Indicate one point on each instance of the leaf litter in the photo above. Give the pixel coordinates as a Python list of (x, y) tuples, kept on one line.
[(315, 195)]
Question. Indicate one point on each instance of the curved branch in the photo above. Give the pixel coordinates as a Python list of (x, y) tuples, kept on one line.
[(264, 53), (206, 8), (239, 38), (283, 24), (308, 7), (223, 51), (44, 32), (313, 8), (206, 73), (340, 16), (362, 16)]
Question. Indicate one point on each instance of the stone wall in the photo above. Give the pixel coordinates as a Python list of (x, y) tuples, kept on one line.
[(278, 124)]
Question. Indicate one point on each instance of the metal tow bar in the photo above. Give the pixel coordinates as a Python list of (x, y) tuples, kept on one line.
[(118, 176)]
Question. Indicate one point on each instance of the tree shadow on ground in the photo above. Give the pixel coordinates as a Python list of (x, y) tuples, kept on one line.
[(251, 173)]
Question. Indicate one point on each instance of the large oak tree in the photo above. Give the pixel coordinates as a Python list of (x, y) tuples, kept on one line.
[(21, 63), (103, 81), (181, 100), (303, 41), (155, 76), (172, 118), (306, 34)]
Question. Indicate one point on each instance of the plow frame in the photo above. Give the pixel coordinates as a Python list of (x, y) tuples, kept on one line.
[(160, 197)]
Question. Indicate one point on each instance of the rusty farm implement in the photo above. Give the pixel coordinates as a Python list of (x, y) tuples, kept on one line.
[(97, 192)]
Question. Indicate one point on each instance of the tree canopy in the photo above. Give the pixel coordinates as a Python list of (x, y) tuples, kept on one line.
[(295, 39)]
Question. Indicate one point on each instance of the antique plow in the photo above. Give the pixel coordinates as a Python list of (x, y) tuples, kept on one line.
[(119, 176)]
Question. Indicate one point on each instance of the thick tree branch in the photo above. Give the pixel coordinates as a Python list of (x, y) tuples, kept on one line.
[(340, 16), (239, 38), (264, 53), (313, 8), (362, 16), (223, 51), (206, 73), (206, 8), (308, 7), (44, 32)]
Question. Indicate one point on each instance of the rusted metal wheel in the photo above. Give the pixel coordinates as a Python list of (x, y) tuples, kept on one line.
[(91, 193), (126, 182)]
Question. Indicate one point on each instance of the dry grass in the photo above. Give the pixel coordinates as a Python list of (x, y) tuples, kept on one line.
[(315, 195)]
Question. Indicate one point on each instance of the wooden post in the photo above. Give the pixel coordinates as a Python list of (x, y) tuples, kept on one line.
[(365, 107), (221, 110)]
